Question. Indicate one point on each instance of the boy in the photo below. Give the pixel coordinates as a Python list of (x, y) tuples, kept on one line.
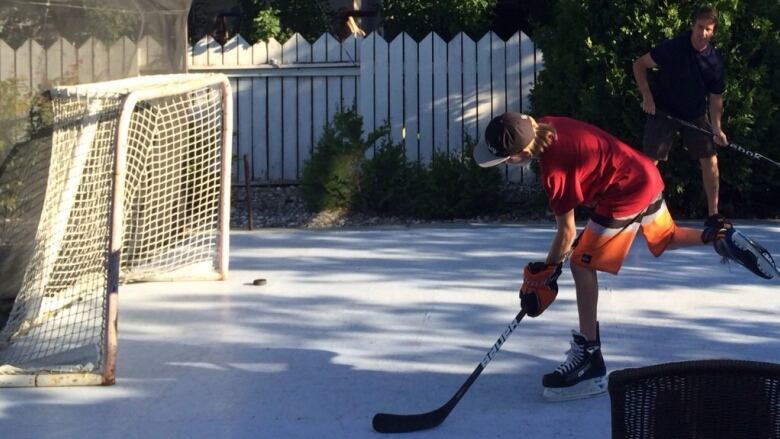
[(582, 165)]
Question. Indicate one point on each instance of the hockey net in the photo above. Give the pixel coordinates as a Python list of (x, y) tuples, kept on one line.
[(137, 189)]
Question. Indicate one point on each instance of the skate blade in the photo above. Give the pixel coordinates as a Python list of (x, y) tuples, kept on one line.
[(583, 389), (764, 266)]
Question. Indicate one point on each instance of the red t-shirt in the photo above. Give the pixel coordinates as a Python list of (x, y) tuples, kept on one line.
[(585, 165)]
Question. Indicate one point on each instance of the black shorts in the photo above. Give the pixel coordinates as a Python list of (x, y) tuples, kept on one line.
[(660, 133)]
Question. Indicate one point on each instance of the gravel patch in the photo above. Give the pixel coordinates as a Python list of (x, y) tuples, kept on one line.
[(283, 207)]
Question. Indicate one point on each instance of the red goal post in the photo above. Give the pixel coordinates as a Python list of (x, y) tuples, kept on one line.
[(137, 189)]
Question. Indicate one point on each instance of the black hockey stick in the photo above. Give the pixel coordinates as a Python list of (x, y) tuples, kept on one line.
[(389, 423), (731, 145)]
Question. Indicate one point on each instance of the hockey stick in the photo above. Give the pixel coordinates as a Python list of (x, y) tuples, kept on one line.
[(731, 145), (389, 423)]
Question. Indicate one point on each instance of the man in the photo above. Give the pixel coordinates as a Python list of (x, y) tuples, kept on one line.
[(582, 165), (688, 83)]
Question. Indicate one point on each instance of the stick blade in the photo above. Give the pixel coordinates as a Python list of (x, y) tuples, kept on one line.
[(390, 423)]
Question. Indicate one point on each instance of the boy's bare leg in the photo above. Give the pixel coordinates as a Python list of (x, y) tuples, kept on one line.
[(587, 286), (685, 237)]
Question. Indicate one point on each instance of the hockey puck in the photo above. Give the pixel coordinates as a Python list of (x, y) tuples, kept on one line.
[(259, 282)]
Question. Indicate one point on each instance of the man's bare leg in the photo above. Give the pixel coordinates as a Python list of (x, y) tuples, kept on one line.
[(710, 178)]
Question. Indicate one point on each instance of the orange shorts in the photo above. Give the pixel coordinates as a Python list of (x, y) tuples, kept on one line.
[(604, 243)]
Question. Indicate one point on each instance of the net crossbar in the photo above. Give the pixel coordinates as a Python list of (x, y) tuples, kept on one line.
[(137, 189)]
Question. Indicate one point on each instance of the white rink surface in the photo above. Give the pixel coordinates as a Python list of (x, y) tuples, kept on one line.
[(352, 322)]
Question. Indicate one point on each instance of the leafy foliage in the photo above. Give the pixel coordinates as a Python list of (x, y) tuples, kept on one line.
[(451, 186), (280, 19), (266, 25), (589, 50), (339, 176), (20, 21), (260, 20), (445, 17), (461, 189), (390, 185), (330, 177), (13, 105)]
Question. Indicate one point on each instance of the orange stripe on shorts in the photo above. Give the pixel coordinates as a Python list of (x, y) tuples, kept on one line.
[(602, 248), (658, 229)]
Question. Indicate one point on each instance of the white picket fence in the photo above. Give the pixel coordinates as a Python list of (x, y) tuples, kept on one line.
[(434, 94), (33, 67)]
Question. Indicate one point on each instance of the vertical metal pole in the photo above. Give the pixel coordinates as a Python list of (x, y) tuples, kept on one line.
[(227, 151), (116, 228), (248, 193)]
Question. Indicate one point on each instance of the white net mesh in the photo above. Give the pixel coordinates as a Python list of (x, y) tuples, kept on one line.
[(172, 158), (173, 187)]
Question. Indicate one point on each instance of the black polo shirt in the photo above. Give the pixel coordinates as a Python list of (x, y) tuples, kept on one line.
[(685, 76)]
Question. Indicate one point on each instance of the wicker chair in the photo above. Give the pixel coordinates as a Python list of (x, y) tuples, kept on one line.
[(706, 399)]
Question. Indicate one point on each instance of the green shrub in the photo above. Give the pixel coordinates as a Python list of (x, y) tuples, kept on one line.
[(266, 25), (339, 176), (588, 53), (418, 18), (14, 104), (451, 186), (389, 183), (331, 176), (461, 189), (280, 19)]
